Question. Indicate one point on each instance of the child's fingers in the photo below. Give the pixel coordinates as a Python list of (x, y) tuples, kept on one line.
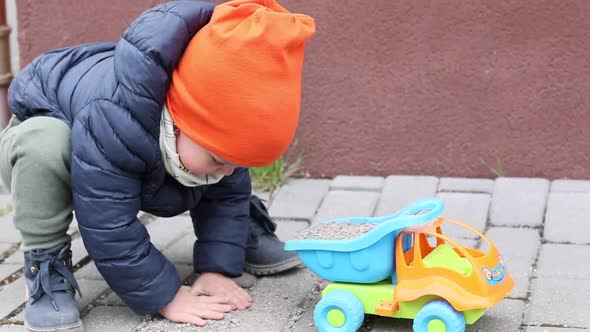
[(214, 299), (222, 307), (202, 308), (242, 299), (248, 296), (192, 319), (207, 313), (242, 293), (216, 303), (232, 294), (210, 314), (197, 290)]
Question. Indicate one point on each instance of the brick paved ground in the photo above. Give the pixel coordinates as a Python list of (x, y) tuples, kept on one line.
[(540, 226)]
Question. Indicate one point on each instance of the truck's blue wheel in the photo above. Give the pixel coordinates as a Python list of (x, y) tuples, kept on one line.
[(339, 311), (437, 316)]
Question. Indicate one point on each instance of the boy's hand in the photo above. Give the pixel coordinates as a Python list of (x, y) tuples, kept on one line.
[(187, 308), (216, 284)]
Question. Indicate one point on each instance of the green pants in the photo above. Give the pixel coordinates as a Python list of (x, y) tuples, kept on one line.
[(35, 167)]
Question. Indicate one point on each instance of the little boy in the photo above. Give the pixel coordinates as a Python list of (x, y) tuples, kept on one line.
[(164, 121)]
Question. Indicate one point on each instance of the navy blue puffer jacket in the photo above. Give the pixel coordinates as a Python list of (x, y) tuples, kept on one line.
[(111, 95)]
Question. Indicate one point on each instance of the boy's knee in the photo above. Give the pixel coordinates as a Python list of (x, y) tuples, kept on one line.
[(46, 140)]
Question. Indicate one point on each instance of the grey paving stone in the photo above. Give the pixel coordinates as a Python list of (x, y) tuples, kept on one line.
[(552, 329), (339, 204), (78, 251), (563, 261), (568, 218), (5, 203), (562, 185), (287, 228), (120, 319), (11, 328), (18, 318), (165, 231), (471, 185), (246, 280), (468, 243), (160, 324), (302, 320), (559, 302), (386, 324), (73, 228), (505, 316), (4, 247), (400, 191), (88, 271), (518, 247), (8, 233), (12, 297), (17, 257), (519, 201), (181, 251), (264, 196), (361, 183), (6, 270), (112, 300), (299, 199), (91, 290), (468, 208), (304, 324), (276, 300)]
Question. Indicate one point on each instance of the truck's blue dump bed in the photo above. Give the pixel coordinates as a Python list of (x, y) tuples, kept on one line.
[(369, 258)]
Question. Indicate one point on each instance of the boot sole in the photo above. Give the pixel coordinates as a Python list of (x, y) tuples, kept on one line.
[(72, 328), (263, 270)]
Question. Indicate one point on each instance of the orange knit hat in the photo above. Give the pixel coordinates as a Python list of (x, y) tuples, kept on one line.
[(237, 88)]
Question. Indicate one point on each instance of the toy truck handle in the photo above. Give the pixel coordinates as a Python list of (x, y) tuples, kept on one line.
[(432, 206)]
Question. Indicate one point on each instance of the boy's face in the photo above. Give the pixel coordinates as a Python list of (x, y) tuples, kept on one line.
[(200, 161)]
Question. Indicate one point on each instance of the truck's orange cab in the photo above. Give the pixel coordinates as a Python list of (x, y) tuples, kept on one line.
[(465, 277)]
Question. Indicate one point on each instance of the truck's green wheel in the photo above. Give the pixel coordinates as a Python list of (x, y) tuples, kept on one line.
[(339, 311), (439, 316)]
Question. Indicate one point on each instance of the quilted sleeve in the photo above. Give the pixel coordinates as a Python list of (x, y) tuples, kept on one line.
[(110, 151)]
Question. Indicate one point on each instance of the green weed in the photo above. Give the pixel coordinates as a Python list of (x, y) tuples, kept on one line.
[(270, 177), (498, 170)]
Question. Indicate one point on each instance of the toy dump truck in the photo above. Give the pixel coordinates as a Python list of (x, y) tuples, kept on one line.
[(403, 266)]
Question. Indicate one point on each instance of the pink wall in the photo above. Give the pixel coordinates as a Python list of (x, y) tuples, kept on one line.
[(411, 87)]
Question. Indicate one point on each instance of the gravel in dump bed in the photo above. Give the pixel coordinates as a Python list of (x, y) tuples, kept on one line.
[(335, 231)]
